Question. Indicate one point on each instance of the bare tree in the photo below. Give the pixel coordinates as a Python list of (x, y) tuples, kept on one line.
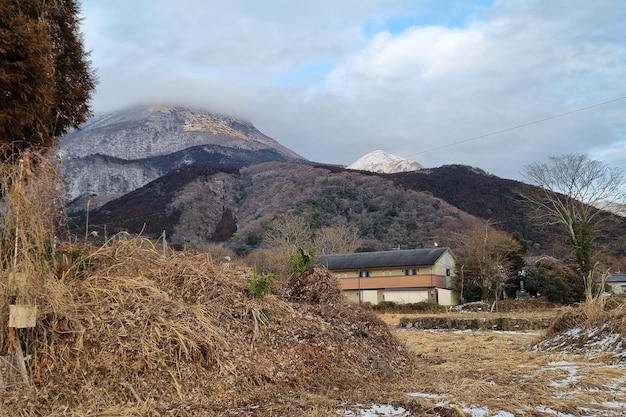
[(574, 191), (488, 259), (288, 231), (337, 239)]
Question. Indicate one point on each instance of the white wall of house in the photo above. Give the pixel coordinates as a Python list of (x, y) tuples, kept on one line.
[(443, 296), (447, 297), (406, 296), (372, 296), (618, 287), (352, 295), (367, 296)]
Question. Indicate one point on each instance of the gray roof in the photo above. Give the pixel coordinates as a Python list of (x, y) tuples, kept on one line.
[(532, 260), (406, 257), (616, 278)]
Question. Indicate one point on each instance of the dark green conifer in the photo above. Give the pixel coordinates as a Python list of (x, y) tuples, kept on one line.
[(45, 76)]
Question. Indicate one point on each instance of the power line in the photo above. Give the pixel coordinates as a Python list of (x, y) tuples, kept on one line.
[(519, 126)]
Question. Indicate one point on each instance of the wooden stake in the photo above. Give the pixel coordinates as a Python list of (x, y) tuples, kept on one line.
[(3, 384), (16, 348)]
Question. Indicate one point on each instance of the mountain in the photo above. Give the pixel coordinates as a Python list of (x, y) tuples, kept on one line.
[(118, 152), (195, 204), (407, 210), (202, 178), (615, 208), (384, 162)]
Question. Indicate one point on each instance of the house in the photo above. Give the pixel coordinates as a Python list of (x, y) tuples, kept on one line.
[(401, 276), (617, 283), (534, 260)]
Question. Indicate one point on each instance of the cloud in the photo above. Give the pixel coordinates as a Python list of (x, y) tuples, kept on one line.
[(335, 80)]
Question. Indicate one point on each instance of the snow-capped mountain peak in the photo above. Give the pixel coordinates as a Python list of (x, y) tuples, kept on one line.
[(384, 162)]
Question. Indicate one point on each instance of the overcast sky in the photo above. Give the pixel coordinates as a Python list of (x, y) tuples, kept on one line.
[(336, 79)]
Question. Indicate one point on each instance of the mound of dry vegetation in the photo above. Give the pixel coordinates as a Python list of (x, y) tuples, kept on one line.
[(596, 329), (132, 328), (147, 332)]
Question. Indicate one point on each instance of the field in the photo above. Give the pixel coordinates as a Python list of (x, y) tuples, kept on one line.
[(498, 373)]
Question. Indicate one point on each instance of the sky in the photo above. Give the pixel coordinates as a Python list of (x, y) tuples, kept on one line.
[(495, 84)]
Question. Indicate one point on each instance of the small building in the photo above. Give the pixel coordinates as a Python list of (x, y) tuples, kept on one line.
[(534, 260), (400, 276), (617, 282)]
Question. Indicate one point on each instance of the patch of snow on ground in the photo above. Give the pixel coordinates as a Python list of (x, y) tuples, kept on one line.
[(424, 395), (376, 410), (571, 369), (548, 410), (616, 405), (486, 412), (591, 343)]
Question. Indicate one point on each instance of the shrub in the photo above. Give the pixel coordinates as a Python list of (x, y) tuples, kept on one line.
[(555, 281), (302, 261), (260, 285), (421, 307)]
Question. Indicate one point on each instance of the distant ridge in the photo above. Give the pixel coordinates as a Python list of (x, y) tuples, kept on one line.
[(384, 163)]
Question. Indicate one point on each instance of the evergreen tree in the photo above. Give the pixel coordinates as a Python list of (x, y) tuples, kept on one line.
[(45, 76)]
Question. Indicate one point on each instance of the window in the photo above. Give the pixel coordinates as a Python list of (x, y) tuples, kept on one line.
[(406, 272), (364, 274), (360, 274), (447, 272), (367, 273), (414, 272)]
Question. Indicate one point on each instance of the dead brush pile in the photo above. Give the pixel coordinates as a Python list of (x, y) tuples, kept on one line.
[(596, 329), (131, 329), (150, 332)]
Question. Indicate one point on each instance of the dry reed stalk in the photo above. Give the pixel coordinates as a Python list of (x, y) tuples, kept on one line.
[(30, 210)]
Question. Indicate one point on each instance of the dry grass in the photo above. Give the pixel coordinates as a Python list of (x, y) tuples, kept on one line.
[(577, 367), (595, 330), (498, 371), (29, 213)]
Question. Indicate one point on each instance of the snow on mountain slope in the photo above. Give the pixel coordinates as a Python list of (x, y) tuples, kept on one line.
[(384, 162), (615, 208), (118, 152), (149, 131)]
